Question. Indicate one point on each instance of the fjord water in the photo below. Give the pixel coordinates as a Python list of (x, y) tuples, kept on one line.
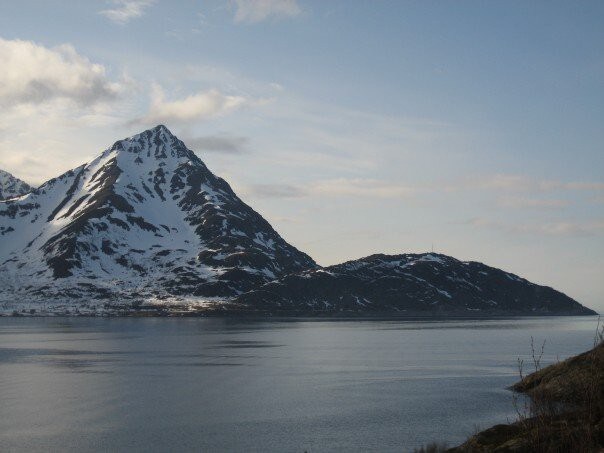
[(91, 384)]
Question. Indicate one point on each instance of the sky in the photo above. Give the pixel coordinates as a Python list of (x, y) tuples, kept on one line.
[(355, 127)]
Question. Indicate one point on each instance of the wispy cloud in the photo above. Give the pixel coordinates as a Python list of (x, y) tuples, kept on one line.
[(576, 185), (598, 199), (126, 10), (277, 191), (199, 106), (340, 187), (252, 11), (227, 144), (373, 188), (531, 203), (33, 74), (50, 138), (562, 228), (521, 183)]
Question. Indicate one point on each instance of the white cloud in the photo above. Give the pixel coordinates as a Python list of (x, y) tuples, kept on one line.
[(258, 10), (199, 106), (57, 109), (126, 10), (33, 74), (277, 86)]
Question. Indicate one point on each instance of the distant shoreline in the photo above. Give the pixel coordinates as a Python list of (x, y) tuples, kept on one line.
[(290, 316)]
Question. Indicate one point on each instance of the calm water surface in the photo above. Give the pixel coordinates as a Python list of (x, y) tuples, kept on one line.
[(227, 385)]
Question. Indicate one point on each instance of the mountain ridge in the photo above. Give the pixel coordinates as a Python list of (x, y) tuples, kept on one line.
[(11, 186), (410, 283), (147, 224)]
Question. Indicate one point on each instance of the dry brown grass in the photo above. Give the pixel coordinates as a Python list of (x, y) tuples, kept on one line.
[(563, 411)]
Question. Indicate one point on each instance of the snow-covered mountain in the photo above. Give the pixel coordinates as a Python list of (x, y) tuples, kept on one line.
[(145, 219), (11, 187), (146, 225), (411, 284)]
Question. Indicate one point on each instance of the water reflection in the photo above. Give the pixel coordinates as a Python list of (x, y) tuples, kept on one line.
[(243, 385), (246, 344)]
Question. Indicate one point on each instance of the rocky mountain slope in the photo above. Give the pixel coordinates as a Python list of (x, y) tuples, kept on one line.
[(146, 218), (409, 284), (11, 187)]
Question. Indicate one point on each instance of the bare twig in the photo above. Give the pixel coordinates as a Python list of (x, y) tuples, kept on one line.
[(537, 358), (599, 336)]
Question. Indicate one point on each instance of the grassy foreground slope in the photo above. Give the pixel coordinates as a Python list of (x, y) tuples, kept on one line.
[(564, 411)]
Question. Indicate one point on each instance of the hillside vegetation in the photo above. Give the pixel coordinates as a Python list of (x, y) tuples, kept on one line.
[(564, 411)]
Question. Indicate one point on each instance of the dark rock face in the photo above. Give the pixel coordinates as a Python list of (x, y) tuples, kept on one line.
[(11, 187), (146, 217), (409, 284)]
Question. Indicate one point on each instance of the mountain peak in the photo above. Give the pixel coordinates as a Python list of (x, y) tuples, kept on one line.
[(158, 143), (145, 217), (11, 186), (159, 132), (161, 128)]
